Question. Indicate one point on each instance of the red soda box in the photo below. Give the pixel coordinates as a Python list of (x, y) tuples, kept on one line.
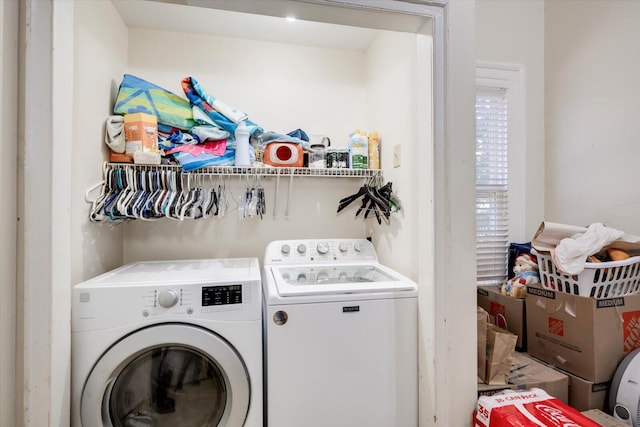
[(524, 408)]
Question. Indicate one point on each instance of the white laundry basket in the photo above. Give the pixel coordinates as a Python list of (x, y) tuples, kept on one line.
[(598, 280)]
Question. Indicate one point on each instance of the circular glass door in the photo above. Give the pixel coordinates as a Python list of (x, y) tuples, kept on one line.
[(167, 375)]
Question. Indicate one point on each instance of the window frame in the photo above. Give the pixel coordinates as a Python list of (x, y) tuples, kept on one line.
[(510, 77)]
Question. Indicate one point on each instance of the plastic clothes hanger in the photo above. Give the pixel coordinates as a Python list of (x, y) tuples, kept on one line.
[(157, 206), (196, 211), (95, 214), (376, 200), (380, 201), (146, 213), (343, 203), (141, 196), (223, 203)]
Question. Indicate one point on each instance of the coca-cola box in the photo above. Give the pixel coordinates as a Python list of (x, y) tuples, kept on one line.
[(527, 408)]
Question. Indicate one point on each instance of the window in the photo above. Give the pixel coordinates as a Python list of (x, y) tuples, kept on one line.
[(499, 169)]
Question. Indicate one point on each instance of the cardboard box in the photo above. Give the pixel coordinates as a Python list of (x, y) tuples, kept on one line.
[(528, 373), (509, 313), (604, 419), (140, 132), (120, 157), (527, 408), (584, 336), (585, 395)]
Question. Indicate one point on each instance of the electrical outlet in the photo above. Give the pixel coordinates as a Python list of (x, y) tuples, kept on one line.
[(396, 155)]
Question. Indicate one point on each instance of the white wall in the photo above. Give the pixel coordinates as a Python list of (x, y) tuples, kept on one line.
[(100, 52), (8, 210), (282, 87), (512, 32), (393, 114), (592, 64)]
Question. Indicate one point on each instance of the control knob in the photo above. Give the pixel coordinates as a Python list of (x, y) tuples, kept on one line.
[(302, 248), (167, 298), (285, 249), (343, 247), (322, 248), (357, 247)]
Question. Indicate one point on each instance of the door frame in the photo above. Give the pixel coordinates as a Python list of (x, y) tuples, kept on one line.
[(9, 18)]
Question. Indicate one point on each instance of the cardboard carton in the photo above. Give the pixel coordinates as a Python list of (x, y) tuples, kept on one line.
[(585, 395), (604, 419), (120, 157), (140, 132), (584, 336), (527, 408), (508, 312), (528, 373)]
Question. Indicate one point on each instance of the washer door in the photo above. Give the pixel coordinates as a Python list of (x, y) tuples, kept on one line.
[(167, 375)]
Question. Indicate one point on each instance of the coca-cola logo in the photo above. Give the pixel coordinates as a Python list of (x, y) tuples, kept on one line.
[(556, 416)]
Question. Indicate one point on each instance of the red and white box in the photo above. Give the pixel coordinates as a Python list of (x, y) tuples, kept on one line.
[(526, 408)]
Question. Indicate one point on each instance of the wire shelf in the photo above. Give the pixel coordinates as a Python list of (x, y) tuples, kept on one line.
[(259, 170)]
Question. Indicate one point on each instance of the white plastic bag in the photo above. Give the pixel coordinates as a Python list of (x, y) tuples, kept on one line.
[(571, 253)]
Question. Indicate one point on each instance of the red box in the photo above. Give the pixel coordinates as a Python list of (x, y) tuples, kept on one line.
[(520, 409)]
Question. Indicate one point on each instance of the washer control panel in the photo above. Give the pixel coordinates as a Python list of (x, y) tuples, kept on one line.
[(224, 289), (205, 298), (319, 250)]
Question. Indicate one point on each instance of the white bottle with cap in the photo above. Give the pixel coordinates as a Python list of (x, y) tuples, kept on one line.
[(242, 145)]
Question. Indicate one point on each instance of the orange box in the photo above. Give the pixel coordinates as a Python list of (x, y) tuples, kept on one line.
[(140, 132), (120, 157)]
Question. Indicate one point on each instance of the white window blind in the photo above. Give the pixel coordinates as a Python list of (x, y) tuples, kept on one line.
[(492, 185)]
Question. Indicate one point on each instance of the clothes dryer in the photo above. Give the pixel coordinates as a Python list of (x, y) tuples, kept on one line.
[(340, 337), (169, 343)]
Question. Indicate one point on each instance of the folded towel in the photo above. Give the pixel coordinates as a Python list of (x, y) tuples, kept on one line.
[(136, 95)]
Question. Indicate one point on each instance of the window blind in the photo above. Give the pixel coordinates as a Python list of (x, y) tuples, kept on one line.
[(492, 186)]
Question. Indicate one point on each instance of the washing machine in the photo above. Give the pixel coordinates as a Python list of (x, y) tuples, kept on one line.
[(169, 343), (340, 337)]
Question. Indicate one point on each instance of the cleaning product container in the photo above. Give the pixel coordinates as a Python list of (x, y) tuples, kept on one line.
[(358, 151), (242, 145), (317, 159)]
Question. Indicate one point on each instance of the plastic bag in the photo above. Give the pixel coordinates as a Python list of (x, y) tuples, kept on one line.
[(571, 253)]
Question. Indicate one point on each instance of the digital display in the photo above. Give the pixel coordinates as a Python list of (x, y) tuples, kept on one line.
[(221, 295)]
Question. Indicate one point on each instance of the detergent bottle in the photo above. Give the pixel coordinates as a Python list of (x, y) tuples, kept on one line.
[(358, 150), (242, 145)]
